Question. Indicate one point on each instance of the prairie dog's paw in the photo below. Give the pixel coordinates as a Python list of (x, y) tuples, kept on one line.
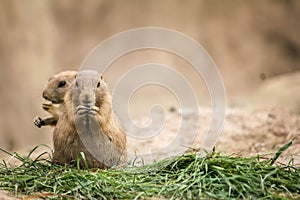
[(94, 110), (86, 118), (38, 122), (52, 109), (83, 110), (47, 106)]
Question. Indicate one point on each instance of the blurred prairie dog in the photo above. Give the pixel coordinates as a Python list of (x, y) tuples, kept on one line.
[(88, 125), (55, 91)]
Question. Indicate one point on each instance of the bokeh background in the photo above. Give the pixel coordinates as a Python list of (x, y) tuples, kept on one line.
[(255, 44)]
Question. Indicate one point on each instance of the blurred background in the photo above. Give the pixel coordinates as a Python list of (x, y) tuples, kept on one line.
[(255, 44)]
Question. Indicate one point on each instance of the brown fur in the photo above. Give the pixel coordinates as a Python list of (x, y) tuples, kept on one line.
[(90, 108), (55, 93)]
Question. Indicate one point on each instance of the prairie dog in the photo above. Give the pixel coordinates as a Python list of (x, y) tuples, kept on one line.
[(88, 125), (55, 92)]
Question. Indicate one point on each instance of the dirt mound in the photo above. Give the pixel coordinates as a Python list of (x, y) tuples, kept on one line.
[(246, 132), (249, 132)]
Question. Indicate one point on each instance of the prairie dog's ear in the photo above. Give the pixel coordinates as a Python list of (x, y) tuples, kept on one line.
[(102, 79)]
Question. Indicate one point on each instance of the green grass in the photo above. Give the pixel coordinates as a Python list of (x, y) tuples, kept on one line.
[(190, 176)]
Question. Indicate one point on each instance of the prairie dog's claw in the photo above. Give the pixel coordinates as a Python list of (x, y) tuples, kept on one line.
[(47, 106), (38, 122), (83, 110)]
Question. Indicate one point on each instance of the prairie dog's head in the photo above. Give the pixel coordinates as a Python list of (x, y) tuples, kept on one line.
[(89, 88), (58, 85)]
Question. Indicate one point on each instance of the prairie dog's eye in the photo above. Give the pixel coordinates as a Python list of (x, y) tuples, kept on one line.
[(62, 84), (98, 85), (76, 84)]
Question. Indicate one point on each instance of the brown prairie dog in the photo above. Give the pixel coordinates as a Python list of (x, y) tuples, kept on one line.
[(55, 92), (88, 125)]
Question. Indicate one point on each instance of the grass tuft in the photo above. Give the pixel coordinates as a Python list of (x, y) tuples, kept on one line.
[(190, 176)]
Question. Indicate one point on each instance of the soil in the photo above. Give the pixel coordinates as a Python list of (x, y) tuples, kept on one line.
[(246, 132)]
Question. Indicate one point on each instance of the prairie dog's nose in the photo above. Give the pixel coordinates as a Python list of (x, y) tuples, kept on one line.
[(45, 96), (88, 98)]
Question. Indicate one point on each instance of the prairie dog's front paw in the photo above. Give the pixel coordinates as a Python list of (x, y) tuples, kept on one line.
[(47, 106), (94, 110), (38, 122), (51, 108), (83, 110)]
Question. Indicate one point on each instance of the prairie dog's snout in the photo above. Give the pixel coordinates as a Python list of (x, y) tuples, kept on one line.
[(87, 99), (85, 92), (87, 96), (45, 95)]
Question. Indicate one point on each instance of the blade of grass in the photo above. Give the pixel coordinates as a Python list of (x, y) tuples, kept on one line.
[(280, 151)]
